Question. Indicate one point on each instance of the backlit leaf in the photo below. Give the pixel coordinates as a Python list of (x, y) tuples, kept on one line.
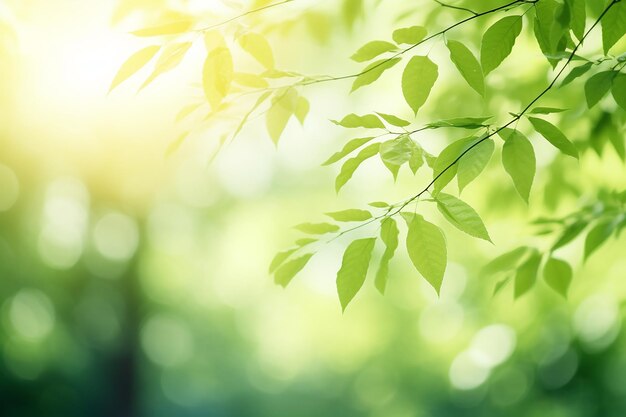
[(389, 235), (217, 76), (498, 41), (133, 64), (526, 275), (410, 35), (351, 165), (468, 65), (317, 228), (354, 266), (474, 162), (351, 215), (518, 159), (426, 246), (257, 46), (554, 136), (349, 147), (418, 79), (462, 216), (373, 72), (558, 275), (372, 49), (287, 271), (353, 121)]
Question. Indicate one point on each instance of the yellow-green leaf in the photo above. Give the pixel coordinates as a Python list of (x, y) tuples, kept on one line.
[(354, 266), (317, 228), (426, 246), (518, 158), (553, 135), (351, 165), (133, 64), (410, 35), (257, 46), (171, 56), (498, 41), (287, 271), (558, 275), (389, 235), (372, 49), (217, 76), (468, 66), (350, 215), (462, 216), (373, 72), (418, 79)]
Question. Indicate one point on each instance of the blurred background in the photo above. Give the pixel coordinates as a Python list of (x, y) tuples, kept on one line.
[(135, 284)]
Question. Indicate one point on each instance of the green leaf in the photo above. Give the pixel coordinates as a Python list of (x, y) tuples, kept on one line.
[(597, 86), (373, 72), (507, 261), (426, 246), (579, 17), (393, 120), (518, 158), (389, 235), (302, 109), (576, 72), (526, 275), (351, 165), (280, 112), (597, 236), (217, 76), (613, 25), (351, 215), (173, 147), (417, 157), (167, 29), (133, 64), (468, 66), (287, 271), (410, 35), (396, 152), (317, 228), (444, 168), (460, 122), (373, 49), (351, 276), (498, 42), (474, 162), (353, 121), (558, 275), (379, 204), (462, 216), (305, 241), (619, 90), (280, 258), (257, 46), (349, 147), (570, 233), (554, 136), (171, 56), (546, 110), (418, 79)]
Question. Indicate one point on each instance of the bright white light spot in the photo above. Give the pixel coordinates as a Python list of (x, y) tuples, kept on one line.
[(596, 321), (116, 236), (493, 345), (32, 314), (64, 223), (466, 373), (167, 341)]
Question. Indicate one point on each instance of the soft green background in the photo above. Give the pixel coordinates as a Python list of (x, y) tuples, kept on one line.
[(134, 284)]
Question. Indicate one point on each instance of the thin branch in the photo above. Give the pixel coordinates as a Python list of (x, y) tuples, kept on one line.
[(249, 12), (450, 6), (426, 39), (514, 119)]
